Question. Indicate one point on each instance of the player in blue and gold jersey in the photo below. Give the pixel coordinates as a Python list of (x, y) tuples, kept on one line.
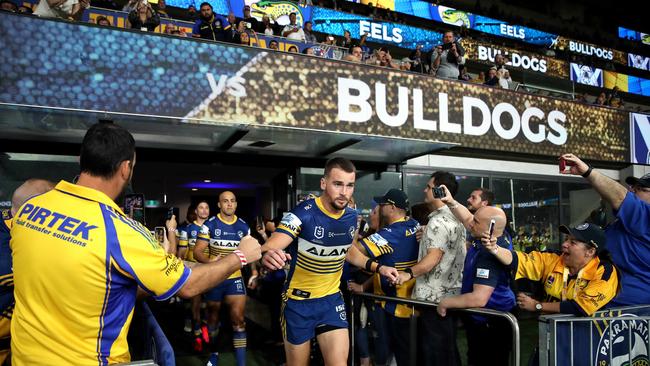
[(78, 262), (194, 230), (30, 188), (394, 245), (319, 233), (225, 231)]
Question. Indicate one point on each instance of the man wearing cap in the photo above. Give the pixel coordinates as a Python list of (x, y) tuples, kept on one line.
[(628, 237), (576, 281), (248, 18), (394, 245)]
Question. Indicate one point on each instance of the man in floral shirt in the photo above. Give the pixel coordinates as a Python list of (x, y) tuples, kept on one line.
[(438, 274)]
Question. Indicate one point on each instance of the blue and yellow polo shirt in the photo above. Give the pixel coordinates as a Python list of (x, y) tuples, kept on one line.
[(78, 262), (583, 294)]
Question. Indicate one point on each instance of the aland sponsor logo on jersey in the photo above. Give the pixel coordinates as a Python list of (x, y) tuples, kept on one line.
[(291, 223), (225, 243), (321, 252)]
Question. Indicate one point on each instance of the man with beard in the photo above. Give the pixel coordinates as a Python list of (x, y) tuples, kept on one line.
[(79, 260), (226, 230), (209, 25), (319, 233)]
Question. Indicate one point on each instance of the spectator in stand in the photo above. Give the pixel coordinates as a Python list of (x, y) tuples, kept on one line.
[(500, 61), (64, 9), (102, 20), (273, 45), (347, 40), (191, 13), (162, 9), (10, 6), (382, 58), (244, 39), (174, 30), (582, 98), (504, 78), (143, 17), (364, 48), (292, 49), (310, 37), (480, 78), (254, 23), (463, 73), (355, 54), (25, 10), (612, 95), (447, 57), (308, 51), (234, 30), (266, 26), (417, 63), (130, 5), (293, 30), (492, 79), (330, 40), (628, 238), (209, 25), (601, 100)]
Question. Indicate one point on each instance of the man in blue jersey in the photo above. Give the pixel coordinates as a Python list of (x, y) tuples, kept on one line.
[(628, 237), (486, 283), (30, 188), (225, 231), (319, 233), (189, 235), (395, 245)]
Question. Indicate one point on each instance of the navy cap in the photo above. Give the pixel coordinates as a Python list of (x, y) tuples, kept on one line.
[(590, 234), (643, 181), (395, 197)]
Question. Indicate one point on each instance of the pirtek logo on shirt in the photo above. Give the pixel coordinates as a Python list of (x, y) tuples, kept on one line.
[(66, 224)]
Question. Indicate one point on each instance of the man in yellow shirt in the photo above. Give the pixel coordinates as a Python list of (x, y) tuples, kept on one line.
[(79, 260), (576, 281)]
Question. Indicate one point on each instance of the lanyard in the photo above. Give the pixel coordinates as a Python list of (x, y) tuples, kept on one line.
[(565, 284)]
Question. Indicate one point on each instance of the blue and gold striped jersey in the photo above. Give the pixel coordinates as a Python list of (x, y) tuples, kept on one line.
[(78, 261), (188, 235), (321, 242), (6, 274), (225, 236), (396, 246)]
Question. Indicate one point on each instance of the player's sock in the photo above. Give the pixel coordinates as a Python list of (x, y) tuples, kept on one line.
[(214, 359), (210, 333), (239, 342)]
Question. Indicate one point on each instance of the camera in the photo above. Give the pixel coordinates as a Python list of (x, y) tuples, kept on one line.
[(446, 46), (438, 192)]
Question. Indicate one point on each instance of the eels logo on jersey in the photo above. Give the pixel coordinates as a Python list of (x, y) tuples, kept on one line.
[(625, 350)]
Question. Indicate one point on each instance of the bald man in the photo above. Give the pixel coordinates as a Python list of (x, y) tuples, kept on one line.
[(27, 190), (486, 284), (226, 229)]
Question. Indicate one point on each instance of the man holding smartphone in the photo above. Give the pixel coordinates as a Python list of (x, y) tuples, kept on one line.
[(293, 30), (486, 283)]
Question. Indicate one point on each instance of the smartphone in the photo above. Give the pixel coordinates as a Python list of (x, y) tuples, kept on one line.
[(491, 229), (564, 164), (160, 234), (172, 211), (330, 38), (248, 25), (134, 207), (438, 192)]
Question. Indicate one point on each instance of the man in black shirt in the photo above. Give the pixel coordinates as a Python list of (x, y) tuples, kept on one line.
[(209, 25)]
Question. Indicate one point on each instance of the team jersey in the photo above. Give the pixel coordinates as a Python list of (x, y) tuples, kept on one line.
[(321, 242), (6, 274), (583, 294), (225, 236), (395, 246), (78, 262), (188, 235)]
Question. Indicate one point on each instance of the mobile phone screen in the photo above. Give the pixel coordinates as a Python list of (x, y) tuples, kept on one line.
[(134, 207), (491, 230)]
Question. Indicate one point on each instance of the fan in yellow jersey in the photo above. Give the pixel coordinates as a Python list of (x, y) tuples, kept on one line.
[(319, 234), (78, 262), (576, 281), (194, 230), (226, 229), (30, 188)]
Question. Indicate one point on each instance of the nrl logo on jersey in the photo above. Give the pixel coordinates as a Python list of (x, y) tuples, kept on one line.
[(629, 343), (217, 232), (319, 232), (240, 234)]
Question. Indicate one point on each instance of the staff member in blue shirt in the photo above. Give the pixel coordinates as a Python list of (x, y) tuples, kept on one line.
[(628, 237)]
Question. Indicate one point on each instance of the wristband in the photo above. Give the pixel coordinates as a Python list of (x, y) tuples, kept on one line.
[(369, 265), (410, 272), (454, 206), (588, 172), (379, 265), (242, 257)]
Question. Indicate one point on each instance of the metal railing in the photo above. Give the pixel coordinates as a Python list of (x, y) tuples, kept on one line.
[(514, 324), (569, 340)]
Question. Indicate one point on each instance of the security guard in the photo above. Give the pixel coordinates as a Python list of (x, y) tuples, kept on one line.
[(576, 280), (79, 260)]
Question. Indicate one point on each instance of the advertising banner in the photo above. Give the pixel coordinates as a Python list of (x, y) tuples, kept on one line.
[(110, 70), (638, 61), (504, 29), (587, 75), (633, 35), (605, 342), (588, 49), (486, 52), (640, 138)]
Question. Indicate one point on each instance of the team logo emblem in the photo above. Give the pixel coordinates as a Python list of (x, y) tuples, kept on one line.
[(351, 231), (217, 232), (240, 234), (629, 343), (582, 226), (319, 232), (549, 281), (193, 232)]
